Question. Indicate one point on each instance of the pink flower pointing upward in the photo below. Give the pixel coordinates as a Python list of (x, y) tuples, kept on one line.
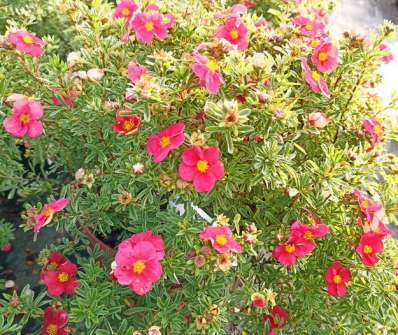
[(25, 119), (314, 79), (235, 32), (47, 213), (221, 239), (208, 73), (201, 166), (136, 71), (27, 43), (161, 144), (325, 57), (337, 277), (138, 267), (147, 26), (309, 27), (125, 9)]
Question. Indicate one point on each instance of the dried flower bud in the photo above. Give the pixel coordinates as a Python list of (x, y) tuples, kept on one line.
[(73, 58), (79, 174), (95, 74), (223, 262), (125, 198), (197, 138), (154, 330), (199, 261)]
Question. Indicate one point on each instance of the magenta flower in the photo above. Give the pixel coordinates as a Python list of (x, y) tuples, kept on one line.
[(147, 26), (374, 129), (136, 71), (288, 252), (314, 79), (169, 21), (61, 280), (201, 166), (25, 119), (27, 43), (125, 9), (137, 266), (307, 234), (235, 32), (309, 27), (370, 245), (388, 56), (337, 277), (221, 239), (208, 74), (325, 57), (161, 144), (47, 213)]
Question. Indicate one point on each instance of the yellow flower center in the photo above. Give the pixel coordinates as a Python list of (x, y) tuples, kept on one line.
[(24, 118), (221, 239), (52, 329), (234, 34), (125, 12), (27, 39), (202, 165), (212, 65), (315, 43), (309, 26), (308, 235), (365, 204), (138, 266), (63, 277), (164, 141), (378, 130), (149, 25), (316, 76), (337, 279), (128, 125), (323, 56), (367, 249), (290, 248)]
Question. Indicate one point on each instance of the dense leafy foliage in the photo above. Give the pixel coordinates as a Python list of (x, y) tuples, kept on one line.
[(290, 152)]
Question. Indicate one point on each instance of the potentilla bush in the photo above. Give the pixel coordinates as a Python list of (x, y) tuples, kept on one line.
[(224, 170)]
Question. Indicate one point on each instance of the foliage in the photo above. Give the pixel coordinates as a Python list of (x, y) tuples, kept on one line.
[(278, 169)]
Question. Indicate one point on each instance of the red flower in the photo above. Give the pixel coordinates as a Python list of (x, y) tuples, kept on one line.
[(288, 252), (62, 280), (277, 318), (337, 278), (161, 144), (306, 234), (54, 260), (55, 322), (126, 124), (258, 300), (201, 166), (369, 246)]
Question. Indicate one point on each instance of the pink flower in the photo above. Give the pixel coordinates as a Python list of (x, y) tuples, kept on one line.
[(309, 27), (55, 322), (169, 21), (62, 280), (202, 166), (318, 120), (25, 119), (325, 57), (235, 32), (314, 79), (126, 124), (367, 205), (288, 252), (374, 129), (147, 26), (221, 239), (27, 43), (125, 9), (145, 236), (47, 213), (336, 278), (262, 22), (138, 262), (208, 73), (136, 71), (369, 246), (388, 56), (161, 144), (306, 234)]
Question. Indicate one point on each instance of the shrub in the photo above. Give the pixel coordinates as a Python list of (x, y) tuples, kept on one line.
[(223, 169)]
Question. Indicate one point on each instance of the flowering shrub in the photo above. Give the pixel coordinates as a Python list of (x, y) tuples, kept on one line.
[(220, 169)]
